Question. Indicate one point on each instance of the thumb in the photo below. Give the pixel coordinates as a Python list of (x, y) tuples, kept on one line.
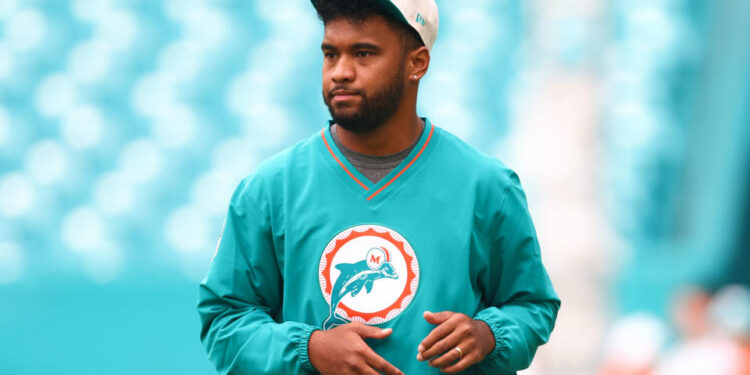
[(437, 317), (369, 332)]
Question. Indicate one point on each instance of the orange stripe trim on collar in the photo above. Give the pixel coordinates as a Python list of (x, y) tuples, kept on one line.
[(322, 134), (432, 128)]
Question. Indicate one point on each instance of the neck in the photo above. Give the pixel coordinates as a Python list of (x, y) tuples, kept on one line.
[(396, 134)]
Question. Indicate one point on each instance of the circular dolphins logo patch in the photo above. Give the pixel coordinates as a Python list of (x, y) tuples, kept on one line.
[(368, 274)]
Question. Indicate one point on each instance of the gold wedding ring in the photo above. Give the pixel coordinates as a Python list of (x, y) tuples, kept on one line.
[(460, 353)]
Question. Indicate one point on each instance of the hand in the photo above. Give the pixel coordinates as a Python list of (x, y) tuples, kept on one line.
[(342, 350), (473, 337)]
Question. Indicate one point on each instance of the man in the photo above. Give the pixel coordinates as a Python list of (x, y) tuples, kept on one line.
[(382, 243)]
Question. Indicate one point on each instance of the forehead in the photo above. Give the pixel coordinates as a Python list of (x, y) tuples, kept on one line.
[(342, 32)]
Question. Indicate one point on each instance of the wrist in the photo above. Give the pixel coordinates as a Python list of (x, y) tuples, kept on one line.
[(304, 349), (312, 345), (485, 337)]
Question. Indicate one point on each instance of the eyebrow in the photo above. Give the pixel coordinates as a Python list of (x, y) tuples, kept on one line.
[(365, 46)]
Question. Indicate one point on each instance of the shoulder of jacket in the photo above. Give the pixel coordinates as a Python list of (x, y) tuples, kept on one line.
[(271, 171), (485, 167)]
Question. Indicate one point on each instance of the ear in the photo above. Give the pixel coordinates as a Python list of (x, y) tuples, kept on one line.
[(418, 61)]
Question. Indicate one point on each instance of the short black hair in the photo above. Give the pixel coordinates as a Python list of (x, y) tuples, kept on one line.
[(361, 10)]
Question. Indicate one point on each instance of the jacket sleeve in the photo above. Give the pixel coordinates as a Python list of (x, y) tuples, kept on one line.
[(240, 296), (521, 304)]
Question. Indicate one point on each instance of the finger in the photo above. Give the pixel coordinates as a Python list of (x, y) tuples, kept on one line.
[(437, 334), (452, 355), (446, 358), (467, 360), (437, 317), (370, 332), (379, 363), (447, 343)]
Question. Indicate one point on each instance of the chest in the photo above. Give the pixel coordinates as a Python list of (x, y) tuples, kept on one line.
[(370, 263)]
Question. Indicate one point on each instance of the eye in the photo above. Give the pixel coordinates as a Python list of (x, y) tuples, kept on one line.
[(328, 55), (364, 53)]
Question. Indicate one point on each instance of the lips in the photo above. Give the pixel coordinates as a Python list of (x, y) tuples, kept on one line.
[(340, 94), (344, 92)]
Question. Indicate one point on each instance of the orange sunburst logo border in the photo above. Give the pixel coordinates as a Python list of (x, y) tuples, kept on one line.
[(410, 286)]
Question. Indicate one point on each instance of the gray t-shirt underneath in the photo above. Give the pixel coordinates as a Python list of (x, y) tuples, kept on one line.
[(372, 167)]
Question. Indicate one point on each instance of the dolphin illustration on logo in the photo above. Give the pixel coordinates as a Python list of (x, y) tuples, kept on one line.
[(358, 275), (350, 266)]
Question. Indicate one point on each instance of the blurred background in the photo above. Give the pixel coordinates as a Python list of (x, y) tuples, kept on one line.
[(126, 125)]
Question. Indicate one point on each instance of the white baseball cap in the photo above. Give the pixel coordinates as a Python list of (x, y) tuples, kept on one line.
[(420, 15)]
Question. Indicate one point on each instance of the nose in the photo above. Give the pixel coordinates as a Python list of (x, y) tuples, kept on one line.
[(343, 71)]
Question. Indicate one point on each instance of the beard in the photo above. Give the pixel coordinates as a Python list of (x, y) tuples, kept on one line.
[(373, 110)]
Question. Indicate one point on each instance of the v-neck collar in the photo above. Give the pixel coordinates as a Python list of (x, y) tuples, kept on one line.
[(376, 192)]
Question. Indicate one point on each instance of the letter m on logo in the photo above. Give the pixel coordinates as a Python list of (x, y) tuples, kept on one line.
[(374, 259)]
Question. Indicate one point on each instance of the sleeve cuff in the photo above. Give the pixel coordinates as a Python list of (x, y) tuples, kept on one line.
[(501, 339), (302, 344)]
